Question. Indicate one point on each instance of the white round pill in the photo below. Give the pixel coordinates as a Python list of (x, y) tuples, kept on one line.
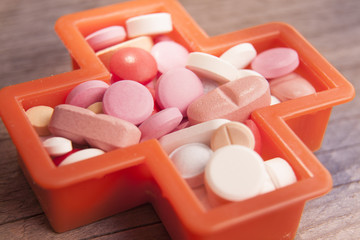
[(211, 67), (82, 155), (190, 160), (57, 146), (280, 172), (149, 24), (240, 55), (235, 173)]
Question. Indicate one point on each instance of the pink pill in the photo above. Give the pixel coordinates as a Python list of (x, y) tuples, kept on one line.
[(276, 62), (291, 86), (178, 88), (168, 55), (160, 123), (234, 100), (87, 93), (106, 37), (128, 100)]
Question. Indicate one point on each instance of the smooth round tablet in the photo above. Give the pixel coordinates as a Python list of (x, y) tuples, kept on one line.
[(39, 117), (211, 67), (96, 107), (81, 155), (178, 88), (135, 64), (276, 62), (160, 123), (128, 100), (87, 93), (57, 146), (149, 24), (169, 55), (106, 37), (232, 133), (235, 173), (240, 55), (280, 172), (190, 160)]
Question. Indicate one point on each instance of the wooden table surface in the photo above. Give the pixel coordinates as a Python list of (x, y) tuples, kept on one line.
[(30, 49)]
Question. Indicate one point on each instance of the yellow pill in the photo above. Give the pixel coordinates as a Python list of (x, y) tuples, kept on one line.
[(39, 117), (96, 107)]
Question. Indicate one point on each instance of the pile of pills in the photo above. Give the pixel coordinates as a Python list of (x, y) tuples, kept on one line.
[(197, 105)]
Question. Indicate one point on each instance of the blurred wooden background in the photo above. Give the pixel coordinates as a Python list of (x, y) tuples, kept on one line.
[(30, 49)]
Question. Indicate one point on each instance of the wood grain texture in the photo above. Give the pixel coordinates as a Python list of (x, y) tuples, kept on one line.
[(30, 49)]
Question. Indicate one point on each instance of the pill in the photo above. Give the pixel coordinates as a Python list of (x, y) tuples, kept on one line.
[(209, 85), (232, 133), (291, 86), (144, 42), (81, 155), (160, 123), (39, 117), (96, 107), (200, 133), (82, 126), (247, 72), (240, 55), (274, 100), (128, 100), (234, 173), (135, 64), (280, 172), (178, 88), (87, 93), (106, 37), (234, 100), (169, 55), (211, 67), (149, 24), (256, 132), (276, 62), (59, 159), (57, 146), (190, 160), (268, 184)]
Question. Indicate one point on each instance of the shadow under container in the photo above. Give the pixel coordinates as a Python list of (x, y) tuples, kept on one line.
[(81, 193)]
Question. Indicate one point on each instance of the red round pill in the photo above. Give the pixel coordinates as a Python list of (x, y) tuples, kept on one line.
[(131, 63)]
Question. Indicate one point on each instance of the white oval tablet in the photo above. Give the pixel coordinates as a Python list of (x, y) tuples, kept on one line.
[(247, 72), (57, 146), (150, 24), (240, 55), (235, 173), (81, 155), (200, 133), (190, 160), (280, 172), (211, 67)]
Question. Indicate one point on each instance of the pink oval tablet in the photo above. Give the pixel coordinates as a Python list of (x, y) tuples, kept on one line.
[(106, 37), (234, 100), (128, 100), (290, 87), (87, 93), (178, 88), (160, 123), (276, 62), (168, 55)]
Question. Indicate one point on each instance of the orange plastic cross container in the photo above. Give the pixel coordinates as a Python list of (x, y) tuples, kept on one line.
[(81, 193)]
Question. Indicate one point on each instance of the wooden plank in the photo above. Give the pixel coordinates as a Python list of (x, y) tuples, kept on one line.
[(335, 216)]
